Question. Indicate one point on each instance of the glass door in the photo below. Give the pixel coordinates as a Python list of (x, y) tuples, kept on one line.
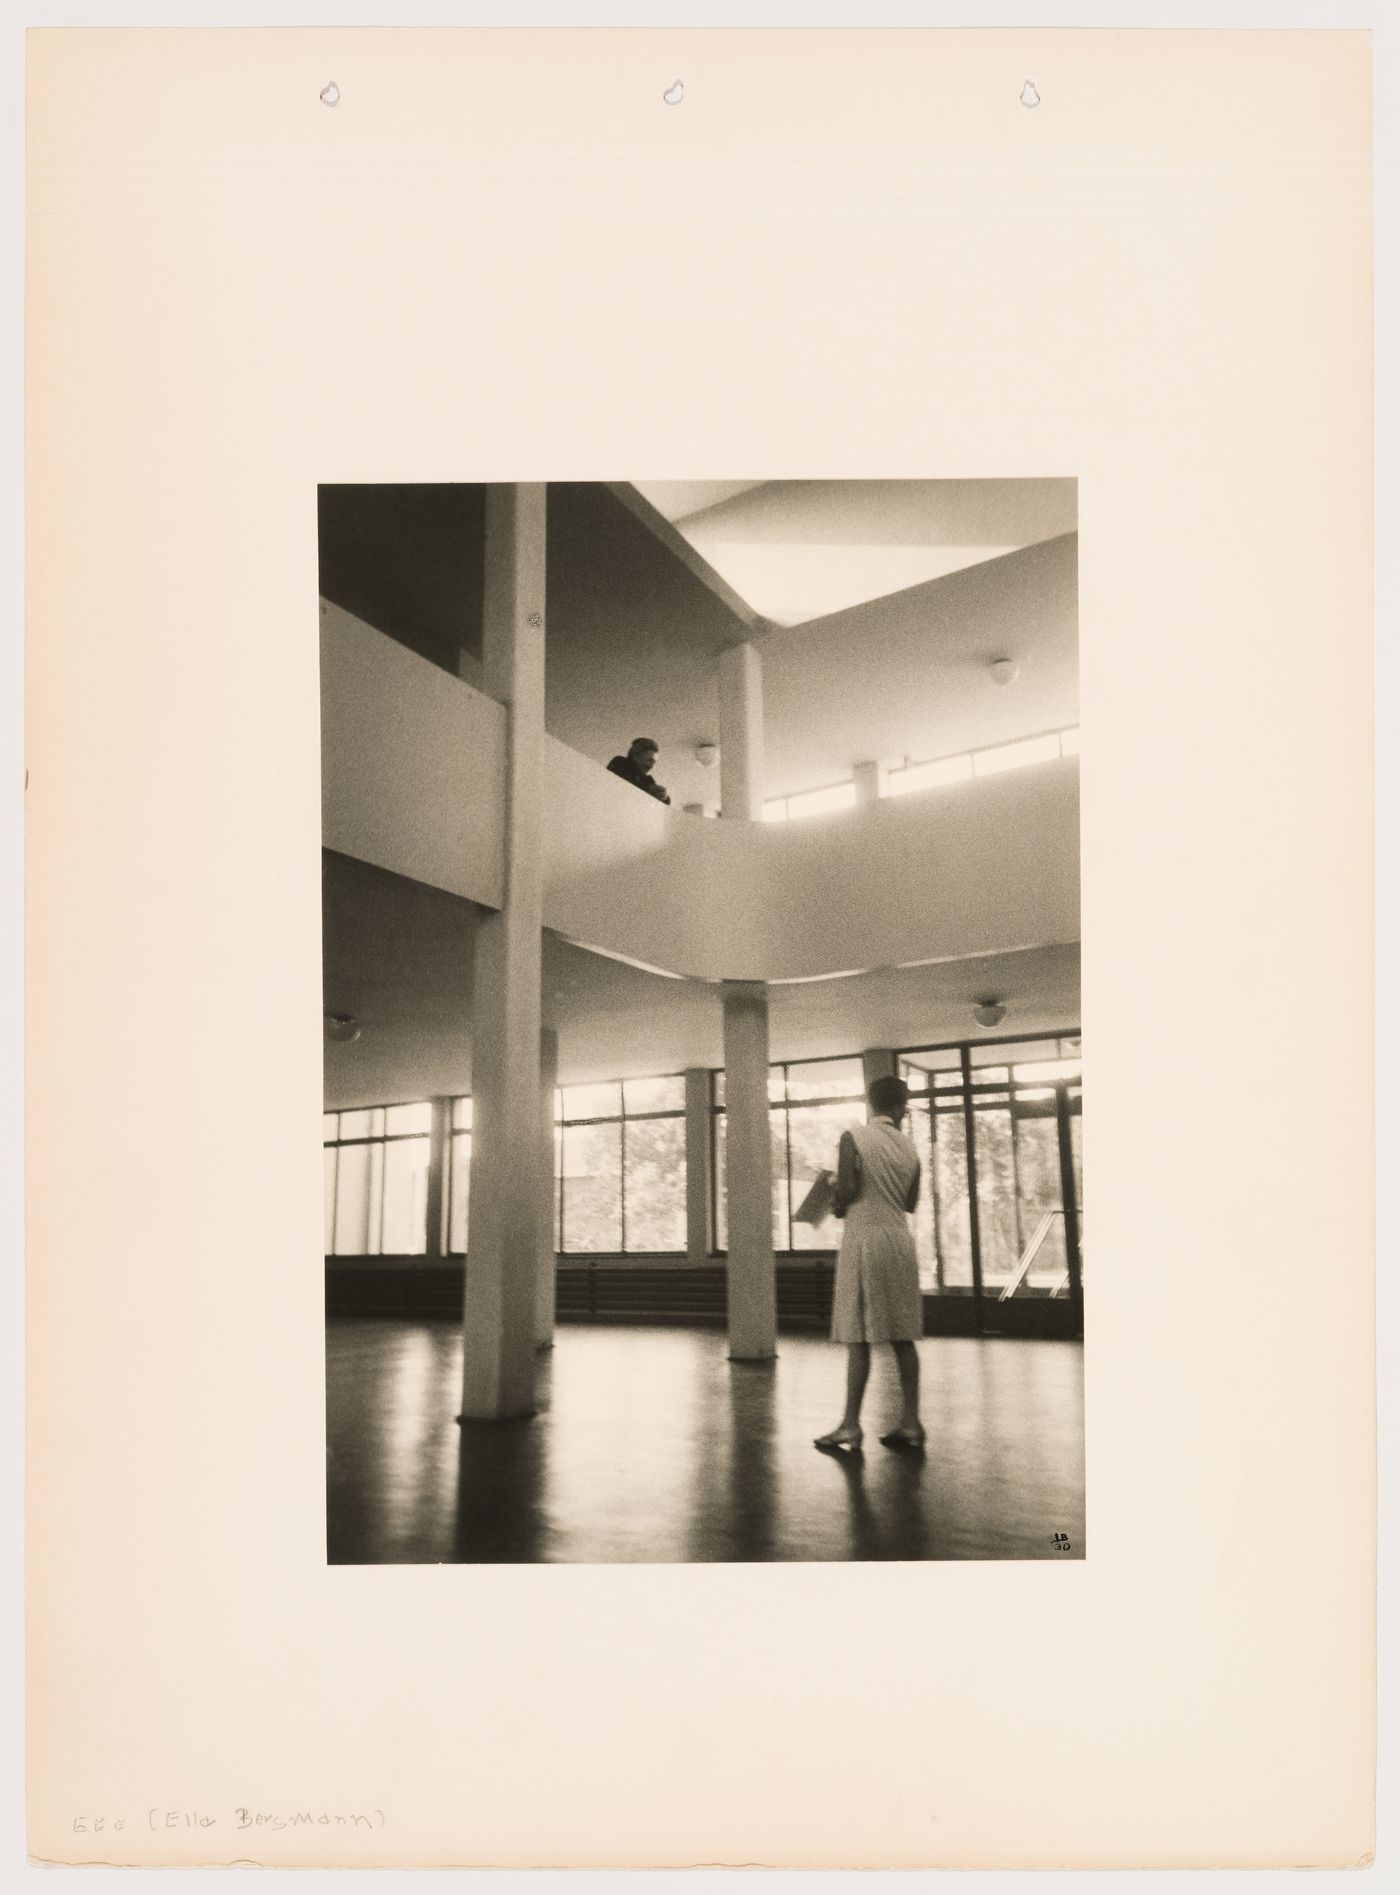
[(1045, 1105), (942, 1223), (998, 1129)]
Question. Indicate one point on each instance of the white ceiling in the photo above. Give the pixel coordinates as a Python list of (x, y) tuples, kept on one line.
[(907, 676), (903, 676), (676, 500), (801, 550), (398, 956)]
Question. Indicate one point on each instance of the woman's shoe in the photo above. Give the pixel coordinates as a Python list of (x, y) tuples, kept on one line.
[(912, 1438), (840, 1438)]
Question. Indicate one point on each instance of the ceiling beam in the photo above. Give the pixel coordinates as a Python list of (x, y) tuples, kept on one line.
[(680, 547)]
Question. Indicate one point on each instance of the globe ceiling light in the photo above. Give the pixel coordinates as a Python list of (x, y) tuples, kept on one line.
[(1003, 671), (343, 1028), (989, 1013), (707, 755)]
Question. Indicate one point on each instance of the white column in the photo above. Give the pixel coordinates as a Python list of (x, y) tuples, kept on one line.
[(498, 1320), (866, 777), (544, 1298), (741, 733), (877, 1063), (698, 1127), (752, 1279)]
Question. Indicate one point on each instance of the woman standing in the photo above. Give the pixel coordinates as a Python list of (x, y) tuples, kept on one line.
[(877, 1295)]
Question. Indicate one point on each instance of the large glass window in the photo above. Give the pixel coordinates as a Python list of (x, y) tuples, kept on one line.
[(653, 1168), (989, 762), (997, 1197), (996, 1125), (592, 1181), (1015, 756), (810, 1104), (902, 779), (620, 1167), (1014, 1097), (1038, 1189), (822, 802), (375, 1172), (928, 776), (943, 1219)]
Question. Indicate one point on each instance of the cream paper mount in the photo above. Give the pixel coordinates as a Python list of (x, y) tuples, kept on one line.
[(502, 256)]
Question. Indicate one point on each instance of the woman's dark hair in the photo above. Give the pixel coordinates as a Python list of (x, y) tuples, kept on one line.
[(644, 743), (888, 1094)]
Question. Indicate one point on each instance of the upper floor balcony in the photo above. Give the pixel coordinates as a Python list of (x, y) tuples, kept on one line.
[(413, 768)]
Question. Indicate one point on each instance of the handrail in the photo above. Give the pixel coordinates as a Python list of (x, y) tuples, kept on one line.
[(1028, 1255)]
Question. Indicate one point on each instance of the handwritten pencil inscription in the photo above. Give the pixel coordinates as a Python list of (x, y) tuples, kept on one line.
[(240, 1817)]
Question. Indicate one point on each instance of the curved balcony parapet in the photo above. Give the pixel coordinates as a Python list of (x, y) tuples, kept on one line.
[(413, 778)]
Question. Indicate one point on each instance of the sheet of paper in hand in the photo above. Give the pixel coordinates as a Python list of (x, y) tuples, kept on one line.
[(819, 1202)]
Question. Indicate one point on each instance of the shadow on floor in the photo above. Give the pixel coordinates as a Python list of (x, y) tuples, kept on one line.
[(650, 1445)]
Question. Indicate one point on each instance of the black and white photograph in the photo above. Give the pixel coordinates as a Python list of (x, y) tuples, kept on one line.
[(745, 655), (703, 1074)]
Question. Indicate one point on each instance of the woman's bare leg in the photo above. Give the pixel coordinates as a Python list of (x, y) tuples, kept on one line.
[(857, 1375), (906, 1354)]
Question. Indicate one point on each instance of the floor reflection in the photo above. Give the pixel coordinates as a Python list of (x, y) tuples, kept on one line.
[(863, 1524), (736, 1514), (650, 1445), (500, 1513)]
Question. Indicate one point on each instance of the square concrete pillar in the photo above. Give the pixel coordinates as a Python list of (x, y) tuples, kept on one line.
[(502, 1275), (752, 1275), (866, 777), (877, 1063), (741, 733)]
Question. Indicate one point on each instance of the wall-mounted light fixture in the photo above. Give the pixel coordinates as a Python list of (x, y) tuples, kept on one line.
[(343, 1028), (989, 1013)]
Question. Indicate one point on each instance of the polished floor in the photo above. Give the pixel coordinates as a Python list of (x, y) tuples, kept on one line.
[(650, 1445)]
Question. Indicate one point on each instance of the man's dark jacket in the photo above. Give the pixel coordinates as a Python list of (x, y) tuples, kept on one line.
[(629, 772)]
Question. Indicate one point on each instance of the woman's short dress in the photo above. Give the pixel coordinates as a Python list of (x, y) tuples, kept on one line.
[(876, 1297)]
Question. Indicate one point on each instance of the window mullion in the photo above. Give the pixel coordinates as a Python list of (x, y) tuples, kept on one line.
[(563, 1179), (787, 1156)]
